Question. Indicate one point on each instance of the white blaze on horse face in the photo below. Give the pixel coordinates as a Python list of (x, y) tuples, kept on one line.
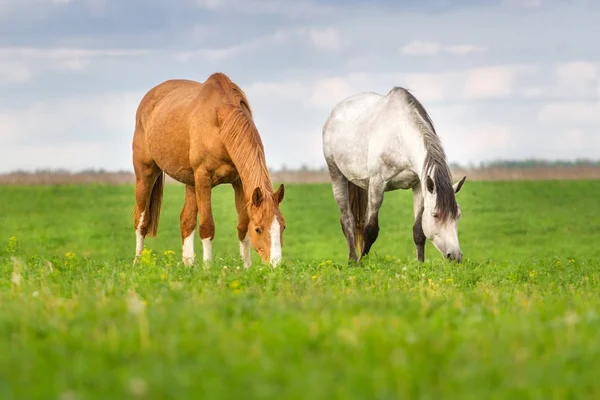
[(275, 233), (188, 249), (245, 251), (139, 238), (207, 250)]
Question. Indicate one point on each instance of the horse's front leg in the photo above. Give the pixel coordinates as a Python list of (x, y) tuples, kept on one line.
[(187, 222), (371, 231), (206, 228), (418, 234), (243, 221)]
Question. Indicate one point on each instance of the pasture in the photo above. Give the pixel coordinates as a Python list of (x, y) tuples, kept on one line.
[(517, 319)]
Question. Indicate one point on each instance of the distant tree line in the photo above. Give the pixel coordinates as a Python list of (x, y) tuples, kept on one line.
[(529, 163), (500, 164)]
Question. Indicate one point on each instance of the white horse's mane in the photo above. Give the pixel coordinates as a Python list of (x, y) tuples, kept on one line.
[(435, 164)]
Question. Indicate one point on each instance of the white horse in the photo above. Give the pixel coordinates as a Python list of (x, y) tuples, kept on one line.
[(374, 144)]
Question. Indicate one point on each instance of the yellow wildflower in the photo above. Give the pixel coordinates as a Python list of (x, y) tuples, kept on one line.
[(147, 257), (12, 245), (532, 273)]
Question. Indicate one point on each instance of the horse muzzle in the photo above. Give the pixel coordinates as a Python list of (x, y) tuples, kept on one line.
[(454, 256)]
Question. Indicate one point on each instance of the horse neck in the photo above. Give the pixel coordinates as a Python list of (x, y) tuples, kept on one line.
[(417, 155), (253, 179), (254, 174), (419, 152), (243, 143)]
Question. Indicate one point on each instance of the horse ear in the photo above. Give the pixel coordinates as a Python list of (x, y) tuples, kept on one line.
[(430, 185), (458, 185), (257, 197), (279, 194)]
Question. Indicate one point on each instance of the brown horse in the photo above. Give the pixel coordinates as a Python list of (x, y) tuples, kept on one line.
[(203, 135)]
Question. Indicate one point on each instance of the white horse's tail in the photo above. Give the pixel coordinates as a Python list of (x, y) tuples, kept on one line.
[(358, 198)]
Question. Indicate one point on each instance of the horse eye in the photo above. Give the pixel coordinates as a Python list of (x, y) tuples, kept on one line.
[(258, 230), (436, 215)]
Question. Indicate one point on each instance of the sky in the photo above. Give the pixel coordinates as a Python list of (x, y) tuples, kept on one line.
[(501, 79)]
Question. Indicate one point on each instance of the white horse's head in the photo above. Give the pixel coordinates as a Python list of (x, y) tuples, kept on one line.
[(440, 216)]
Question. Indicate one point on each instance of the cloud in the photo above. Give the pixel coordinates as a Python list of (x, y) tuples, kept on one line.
[(68, 131), (578, 79), (523, 3), (282, 91), (326, 39), (471, 84), (484, 140), (429, 86), (582, 142), (69, 69), (490, 82), (7, 6), (424, 48), (510, 81), (31, 9), (62, 53), (76, 155), (21, 64), (580, 113), (14, 72), (479, 112), (463, 49), (573, 139), (64, 119), (327, 92), (218, 54), (419, 47), (287, 8)]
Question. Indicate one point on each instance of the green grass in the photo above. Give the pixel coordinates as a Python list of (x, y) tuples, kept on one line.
[(517, 319)]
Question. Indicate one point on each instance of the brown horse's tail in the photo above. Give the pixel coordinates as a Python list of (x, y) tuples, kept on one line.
[(358, 205), (155, 204)]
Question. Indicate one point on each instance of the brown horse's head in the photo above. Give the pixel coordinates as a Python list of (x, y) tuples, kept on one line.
[(266, 224)]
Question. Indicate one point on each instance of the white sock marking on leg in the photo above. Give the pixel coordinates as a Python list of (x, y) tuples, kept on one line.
[(207, 250), (139, 238), (275, 242), (188, 249), (245, 251)]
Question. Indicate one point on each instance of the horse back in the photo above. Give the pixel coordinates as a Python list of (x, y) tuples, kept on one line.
[(178, 125), (347, 133)]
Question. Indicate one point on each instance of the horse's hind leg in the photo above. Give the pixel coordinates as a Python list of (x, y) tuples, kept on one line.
[(371, 232), (340, 193), (145, 178), (187, 221)]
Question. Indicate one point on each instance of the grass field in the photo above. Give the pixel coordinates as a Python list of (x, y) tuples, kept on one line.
[(517, 319)]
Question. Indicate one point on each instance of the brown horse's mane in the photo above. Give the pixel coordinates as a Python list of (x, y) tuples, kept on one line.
[(242, 140)]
